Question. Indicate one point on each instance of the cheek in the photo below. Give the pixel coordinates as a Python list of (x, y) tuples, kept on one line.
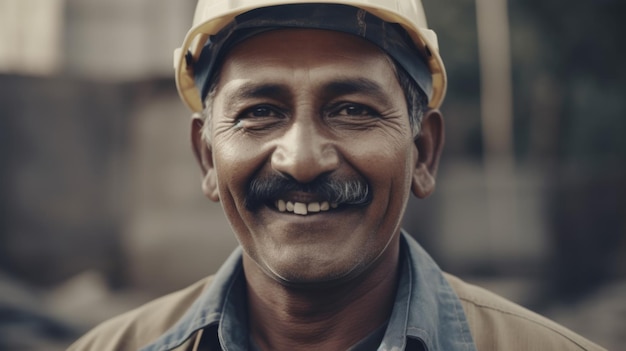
[(235, 165), (388, 168), (390, 160), (236, 159)]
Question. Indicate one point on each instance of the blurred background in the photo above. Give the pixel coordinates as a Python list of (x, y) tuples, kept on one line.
[(100, 200)]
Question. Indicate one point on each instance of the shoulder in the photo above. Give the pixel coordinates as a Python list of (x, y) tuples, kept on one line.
[(499, 324), (137, 328)]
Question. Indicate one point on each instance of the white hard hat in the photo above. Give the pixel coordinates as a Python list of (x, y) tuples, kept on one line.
[(213, 16)]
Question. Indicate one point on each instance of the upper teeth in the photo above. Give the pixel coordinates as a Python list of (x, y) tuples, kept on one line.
[(302, 208)]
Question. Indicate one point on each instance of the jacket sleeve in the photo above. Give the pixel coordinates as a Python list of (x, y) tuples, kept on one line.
[(499, 324)]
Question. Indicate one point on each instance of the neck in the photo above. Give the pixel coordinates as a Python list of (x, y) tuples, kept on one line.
[(330, 318)]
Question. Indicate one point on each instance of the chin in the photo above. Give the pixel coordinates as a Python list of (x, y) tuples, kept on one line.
[(304, 271)]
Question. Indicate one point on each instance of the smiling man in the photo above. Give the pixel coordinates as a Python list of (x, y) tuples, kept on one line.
[(314, 123)]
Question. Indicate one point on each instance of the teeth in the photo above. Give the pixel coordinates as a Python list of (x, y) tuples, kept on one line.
[(303, 208), (313, 207), (281, 205), (299, 208)]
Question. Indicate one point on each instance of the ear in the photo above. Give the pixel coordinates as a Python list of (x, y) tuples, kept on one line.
[(204, 155), (429, 144)]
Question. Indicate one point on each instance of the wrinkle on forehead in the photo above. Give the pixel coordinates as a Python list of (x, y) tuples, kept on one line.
[(241, 89), (306, 46), (308, 55)]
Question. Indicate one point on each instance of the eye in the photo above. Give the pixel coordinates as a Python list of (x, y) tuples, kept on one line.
[(260, 111), (353, 110), (259, 118)]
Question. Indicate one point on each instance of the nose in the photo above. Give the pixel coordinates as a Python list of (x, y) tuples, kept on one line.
[(303, 153)]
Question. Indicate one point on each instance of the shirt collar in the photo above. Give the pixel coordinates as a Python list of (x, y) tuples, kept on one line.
[(435, 315), (426, 308)]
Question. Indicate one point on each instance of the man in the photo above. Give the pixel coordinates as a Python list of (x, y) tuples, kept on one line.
[(314, 124)]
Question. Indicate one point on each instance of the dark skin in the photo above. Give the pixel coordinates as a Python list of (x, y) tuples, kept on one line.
[(304, 103)]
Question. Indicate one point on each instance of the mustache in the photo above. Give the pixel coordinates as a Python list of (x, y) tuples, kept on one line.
[(262, 190)]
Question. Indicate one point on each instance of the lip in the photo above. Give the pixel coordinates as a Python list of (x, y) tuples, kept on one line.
[(298, 196), (333, 210), (315, 229)]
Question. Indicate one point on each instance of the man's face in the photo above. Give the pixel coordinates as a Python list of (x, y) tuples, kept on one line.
[(309, 106)]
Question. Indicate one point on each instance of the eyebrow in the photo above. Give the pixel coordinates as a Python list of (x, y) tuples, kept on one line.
[(337, 87), (348, 86), (251, 90)]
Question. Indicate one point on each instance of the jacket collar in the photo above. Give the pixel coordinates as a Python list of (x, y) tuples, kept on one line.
[(207, 310)]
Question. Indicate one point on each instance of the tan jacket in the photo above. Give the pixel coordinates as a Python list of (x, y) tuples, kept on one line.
[(495, 323)]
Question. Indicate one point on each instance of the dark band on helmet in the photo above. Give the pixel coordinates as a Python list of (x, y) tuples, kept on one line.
[(390, 37)]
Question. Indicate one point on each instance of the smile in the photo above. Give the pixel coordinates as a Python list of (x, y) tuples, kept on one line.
[(302, 208)]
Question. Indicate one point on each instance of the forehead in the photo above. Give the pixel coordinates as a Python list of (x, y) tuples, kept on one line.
[(310, 54)]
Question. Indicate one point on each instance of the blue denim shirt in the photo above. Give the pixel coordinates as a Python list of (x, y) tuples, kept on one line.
[(427, 313)]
